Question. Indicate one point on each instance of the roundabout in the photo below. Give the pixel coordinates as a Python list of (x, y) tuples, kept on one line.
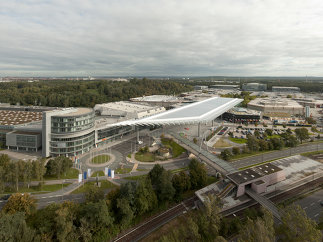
[(100, 160)]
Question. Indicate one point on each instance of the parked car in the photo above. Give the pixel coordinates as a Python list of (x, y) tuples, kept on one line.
[(5, 197)]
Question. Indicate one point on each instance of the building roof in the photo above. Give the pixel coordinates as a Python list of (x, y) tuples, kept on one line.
[(125, 106), (156, 98), (250, 174), (73, 112), (13, 117), (197, 112)]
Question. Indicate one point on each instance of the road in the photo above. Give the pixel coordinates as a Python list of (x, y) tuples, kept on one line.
[(251, 160), (311, 204)]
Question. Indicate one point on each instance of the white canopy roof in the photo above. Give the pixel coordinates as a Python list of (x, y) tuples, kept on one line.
[(197, 112)]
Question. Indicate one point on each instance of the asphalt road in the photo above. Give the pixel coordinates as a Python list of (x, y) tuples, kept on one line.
[(311, 204), (251, 160)]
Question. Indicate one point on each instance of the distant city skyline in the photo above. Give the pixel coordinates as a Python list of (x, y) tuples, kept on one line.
[(161, 38)]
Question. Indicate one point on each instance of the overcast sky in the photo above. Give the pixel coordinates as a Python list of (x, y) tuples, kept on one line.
[(161, 37)]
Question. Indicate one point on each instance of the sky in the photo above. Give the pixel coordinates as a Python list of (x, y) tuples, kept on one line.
[(161, 37)]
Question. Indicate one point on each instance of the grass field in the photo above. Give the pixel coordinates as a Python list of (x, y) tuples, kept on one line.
[(88, 185), (135, 178), (122, 170), (221, 143), (70, 174), (145, 157), (36, 189), (100, 173), (100, 159), (312, 153), (177, 150), (238, 140)]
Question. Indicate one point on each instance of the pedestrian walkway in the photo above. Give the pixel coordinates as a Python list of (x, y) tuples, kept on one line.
[(264, 202), (211, 159), (134, 168)]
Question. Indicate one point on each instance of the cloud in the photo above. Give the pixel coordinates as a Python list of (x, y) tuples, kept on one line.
[(137, 37)]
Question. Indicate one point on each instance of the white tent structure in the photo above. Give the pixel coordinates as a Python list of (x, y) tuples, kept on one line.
[(195, 113)]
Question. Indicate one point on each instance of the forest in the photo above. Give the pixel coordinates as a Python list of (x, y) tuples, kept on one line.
[(62, 93)]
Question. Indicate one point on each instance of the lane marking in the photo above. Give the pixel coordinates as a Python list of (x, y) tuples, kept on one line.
[(305, 208), (316, 215), (312, 204)]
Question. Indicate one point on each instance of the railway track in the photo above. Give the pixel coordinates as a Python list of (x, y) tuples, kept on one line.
[(157, 221)]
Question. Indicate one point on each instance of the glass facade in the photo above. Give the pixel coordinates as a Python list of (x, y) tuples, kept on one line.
[(72, 146), (72, 124), (62, 128), (26, 141)]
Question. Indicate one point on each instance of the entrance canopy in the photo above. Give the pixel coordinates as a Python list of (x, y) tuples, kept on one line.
[(198, 112)]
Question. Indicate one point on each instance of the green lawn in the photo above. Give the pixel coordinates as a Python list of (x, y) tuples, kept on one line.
[(100, 159), (100, 173), (135, 178), (88, 185), (312, 153), (145, 157), (177, 150), (122, 170), (179, 170), (70, 174), (36, 189), (238, 140)]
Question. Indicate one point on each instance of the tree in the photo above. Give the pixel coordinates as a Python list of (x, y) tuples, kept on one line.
[(236, 150), (197, 173), (64, 221), (260, 229), (296, 226), (302, 134), (269, 132), (256, 133), (226, 154), (20, 203), (155, 173), (165, 190), (263, 145), (181, 183), (145, 197), (13, 227), (277, 143), (310, 120), (98, 220), (252, 143), (209, 219), (94, 194), (125, 213)]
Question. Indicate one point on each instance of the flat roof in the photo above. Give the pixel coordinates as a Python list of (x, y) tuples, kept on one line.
[(250, 174), (156, 98), (73, 112), (126, 106), (13, 117), (202, 111)]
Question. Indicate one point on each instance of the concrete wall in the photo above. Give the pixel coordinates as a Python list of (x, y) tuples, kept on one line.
[(268, 180)]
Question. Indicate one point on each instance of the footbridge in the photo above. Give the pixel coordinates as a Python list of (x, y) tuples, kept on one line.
[(225, 168), (211, 159)]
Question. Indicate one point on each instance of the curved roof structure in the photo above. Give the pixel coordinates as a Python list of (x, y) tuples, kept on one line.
[(198, 112)]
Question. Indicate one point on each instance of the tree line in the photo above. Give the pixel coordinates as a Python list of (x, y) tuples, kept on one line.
[(254, 143), (100, 217), (15, 174), (62, 93)]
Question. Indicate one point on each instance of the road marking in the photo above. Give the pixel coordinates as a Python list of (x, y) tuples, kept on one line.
[(312, 204), (316, 215), (305, 208), (319, 200)]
